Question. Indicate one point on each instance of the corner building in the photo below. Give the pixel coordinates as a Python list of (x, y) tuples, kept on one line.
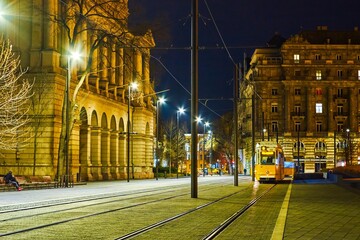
[(307, 95), (98, 140)]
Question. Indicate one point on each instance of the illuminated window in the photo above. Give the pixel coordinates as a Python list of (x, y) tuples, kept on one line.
[(318, 108), (320, 145), (318, 74), (318, 91), (296, 58), (274, 126), (297, 91), (274, 107), (358, 74), (318, 126)]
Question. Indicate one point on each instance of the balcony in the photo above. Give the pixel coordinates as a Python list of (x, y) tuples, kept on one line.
[(340, 99), (298, 115)]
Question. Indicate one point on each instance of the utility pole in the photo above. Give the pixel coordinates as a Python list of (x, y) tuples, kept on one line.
[(194, 94), (236, 97)]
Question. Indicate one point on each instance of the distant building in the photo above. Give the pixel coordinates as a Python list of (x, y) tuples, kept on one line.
[(306, 96), (98, 141)]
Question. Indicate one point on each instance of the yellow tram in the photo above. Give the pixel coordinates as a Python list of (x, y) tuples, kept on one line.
[(269, 165)]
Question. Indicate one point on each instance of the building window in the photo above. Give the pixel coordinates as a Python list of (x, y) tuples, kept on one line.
[(317, 57), (318, 126), (318, 91), (318, 108), (274, 107), (297, 108), (297, 73), (274, 126), (318, 74), (297, 126), (340, 126), (358, 74), (274, 92), (338, 57), (297, 91), (296, 58), (339, 92), (340, 109), (339, 74)]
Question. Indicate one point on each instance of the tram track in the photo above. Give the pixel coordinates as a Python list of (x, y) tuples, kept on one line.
[(67, 220), (215, 232)]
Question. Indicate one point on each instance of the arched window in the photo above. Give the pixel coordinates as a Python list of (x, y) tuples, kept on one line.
[(320, 146), (301, 145)]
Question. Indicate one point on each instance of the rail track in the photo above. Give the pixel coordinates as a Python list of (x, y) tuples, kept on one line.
[(104, 201)]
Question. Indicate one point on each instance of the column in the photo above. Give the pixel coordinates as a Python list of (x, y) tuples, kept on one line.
[(95, 153), (105, 154), (85, 153), (114, 154)]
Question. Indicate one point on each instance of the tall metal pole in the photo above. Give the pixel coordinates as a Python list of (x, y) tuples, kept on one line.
[(253, 137), (236, 97), (67, 143), (128, 136), (194, 95), (335, 149), (177, 144), (298, 150), (204, 149), (157, 141)]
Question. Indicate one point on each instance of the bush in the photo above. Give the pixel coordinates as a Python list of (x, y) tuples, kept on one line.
[(348, 171)]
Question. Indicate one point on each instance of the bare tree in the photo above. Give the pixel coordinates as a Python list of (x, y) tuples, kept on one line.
[(223, 128), (15, 93)]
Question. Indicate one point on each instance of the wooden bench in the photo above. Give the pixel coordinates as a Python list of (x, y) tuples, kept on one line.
[(31, 182)]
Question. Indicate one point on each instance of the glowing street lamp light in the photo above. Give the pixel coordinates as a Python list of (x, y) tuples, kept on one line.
[(132, 86), (180, 111), (159, 101), (72, 56)]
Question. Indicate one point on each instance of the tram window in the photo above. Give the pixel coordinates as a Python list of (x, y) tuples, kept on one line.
[(267, 160)]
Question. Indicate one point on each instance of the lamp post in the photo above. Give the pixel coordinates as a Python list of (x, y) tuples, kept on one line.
[(348, 147), (159, 101), (72, 55), (180, 111), (132, 86), (206, 124)]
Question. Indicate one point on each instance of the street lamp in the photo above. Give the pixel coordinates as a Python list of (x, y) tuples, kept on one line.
[(159, 101), (180, 111), (73, 55), (131, 86)]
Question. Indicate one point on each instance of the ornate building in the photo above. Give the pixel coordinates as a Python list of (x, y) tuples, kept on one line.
[(307, 97), (41, 32)]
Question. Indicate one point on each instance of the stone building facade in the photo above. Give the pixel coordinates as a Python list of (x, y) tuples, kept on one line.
[(307, 96), (98, 139)]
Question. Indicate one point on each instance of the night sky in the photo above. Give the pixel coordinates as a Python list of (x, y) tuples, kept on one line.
[(243, 26)]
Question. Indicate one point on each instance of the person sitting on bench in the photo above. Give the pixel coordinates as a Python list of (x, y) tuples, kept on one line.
[(10, 179)]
